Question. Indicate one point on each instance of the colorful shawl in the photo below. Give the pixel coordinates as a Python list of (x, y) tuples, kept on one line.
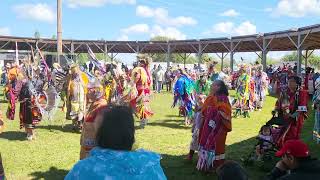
[(184, 93), (217, 122)]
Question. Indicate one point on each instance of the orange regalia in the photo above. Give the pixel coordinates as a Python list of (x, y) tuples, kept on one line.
[(89, 130), (216, 112), (143, 83)]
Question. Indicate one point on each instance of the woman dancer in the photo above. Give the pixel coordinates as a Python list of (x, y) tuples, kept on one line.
[(216, 112)]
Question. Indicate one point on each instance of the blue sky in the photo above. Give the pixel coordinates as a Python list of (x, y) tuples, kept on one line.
[(143, 19)]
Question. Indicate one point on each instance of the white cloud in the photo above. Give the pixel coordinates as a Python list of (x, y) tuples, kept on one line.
[(135, 29), (4, 31), (297, 8), (169, 32), (229, 28), (161, 16), (144, 11), (123, 38), (39, 12), (223, 27), (96, 3), (230, 13), (245, 28)]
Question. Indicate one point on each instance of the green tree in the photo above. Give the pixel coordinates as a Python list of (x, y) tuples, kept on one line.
[(314, 61), (290, 57)]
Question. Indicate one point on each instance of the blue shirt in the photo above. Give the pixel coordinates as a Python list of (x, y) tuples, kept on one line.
[(110, 164)]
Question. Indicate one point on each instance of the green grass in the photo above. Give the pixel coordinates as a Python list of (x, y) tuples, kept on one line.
[(56, 150)]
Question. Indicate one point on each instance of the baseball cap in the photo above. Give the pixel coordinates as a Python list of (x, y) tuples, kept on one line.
[(296, 148)]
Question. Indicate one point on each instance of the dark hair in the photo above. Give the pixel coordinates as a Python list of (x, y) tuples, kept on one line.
[(264, 126), (223, 88), (296, 78), (231, 170), (117, 128)]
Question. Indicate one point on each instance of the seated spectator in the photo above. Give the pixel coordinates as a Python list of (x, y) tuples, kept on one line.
[(231, 170), (296, 163), (113, 158)]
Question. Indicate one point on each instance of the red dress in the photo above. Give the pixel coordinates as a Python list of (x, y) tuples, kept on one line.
[(294, 119)]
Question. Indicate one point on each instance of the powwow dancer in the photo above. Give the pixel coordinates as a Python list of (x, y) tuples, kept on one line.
[(76, 98), (216, 112), (261, 87), (12, 90), (316, 104), (142, 79), (184, 94), (242, 93), (96, 103), (30, 114), (202, 88)]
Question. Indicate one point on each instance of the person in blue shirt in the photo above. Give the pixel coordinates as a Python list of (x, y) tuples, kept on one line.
[(113, 158)]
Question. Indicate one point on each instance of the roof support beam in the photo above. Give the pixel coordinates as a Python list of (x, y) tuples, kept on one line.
[(299, 49), (78, 47), (98, 47), (223, 55), (232, 52), (168, 55), (199, 54), (66, 47), (72, 51), (134, 50), (4, 44)]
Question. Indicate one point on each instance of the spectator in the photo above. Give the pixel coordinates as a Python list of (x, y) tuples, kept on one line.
[(153, 73), (90, 67), (114, 158), (169, 78), (231, 170), (159, 78), (296, 163)]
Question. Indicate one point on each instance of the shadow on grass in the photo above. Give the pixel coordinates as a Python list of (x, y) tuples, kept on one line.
[(174, 116), (176, 167), (13, 135), (68, 128), (2, 101), (53, 173), (175, 124)]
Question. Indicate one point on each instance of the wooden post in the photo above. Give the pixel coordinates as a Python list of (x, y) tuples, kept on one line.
[(59, 29)]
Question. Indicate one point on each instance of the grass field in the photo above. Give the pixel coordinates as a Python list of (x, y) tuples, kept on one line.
[(56, 149)]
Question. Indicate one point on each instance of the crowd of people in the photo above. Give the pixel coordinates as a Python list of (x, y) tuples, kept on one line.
[(101, 100)]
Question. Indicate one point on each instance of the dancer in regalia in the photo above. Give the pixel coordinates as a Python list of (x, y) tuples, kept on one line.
[(202, 87), (95, 105), (184, 94), (261, 87), (30, 114), (142, 79), (76, 96), (11, 91), (242, 93), (216, 113), (316, 105)]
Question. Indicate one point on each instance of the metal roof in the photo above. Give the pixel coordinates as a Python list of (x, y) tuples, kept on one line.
[(277, 41)]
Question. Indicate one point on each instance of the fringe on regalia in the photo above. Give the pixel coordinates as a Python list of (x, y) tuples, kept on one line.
[(184, 94)]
